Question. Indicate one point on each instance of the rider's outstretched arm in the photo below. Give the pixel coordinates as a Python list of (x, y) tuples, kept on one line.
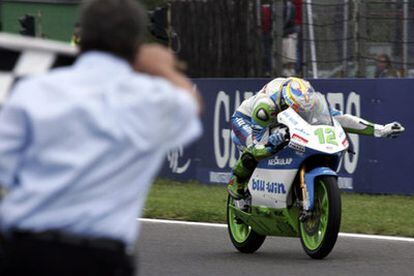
[(354, 124)]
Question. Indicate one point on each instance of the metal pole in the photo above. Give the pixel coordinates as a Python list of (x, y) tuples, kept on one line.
[(345, 39), (312, 40), (405, 38), (305, 41), (258, 13), (360, 12), (1, 16), (258, 47), (363, 24), (277, 37), (355, 34)]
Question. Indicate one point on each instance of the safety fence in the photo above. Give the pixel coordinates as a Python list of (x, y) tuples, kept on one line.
[(354, 38), (262, 38), (310, 38), (379, 165)]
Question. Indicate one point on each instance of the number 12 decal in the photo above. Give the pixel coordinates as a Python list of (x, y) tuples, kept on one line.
[(326, 135)]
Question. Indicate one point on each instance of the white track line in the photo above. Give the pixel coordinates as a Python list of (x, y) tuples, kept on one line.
[(376, 237), (220, 225)]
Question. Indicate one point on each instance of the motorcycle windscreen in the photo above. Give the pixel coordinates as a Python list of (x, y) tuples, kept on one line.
[(319, 113)]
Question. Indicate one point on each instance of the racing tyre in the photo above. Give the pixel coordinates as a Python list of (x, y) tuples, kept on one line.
[(318, 233), (242, 236)]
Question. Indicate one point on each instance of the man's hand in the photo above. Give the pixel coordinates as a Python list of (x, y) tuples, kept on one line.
[(157, 60), (392, 130)]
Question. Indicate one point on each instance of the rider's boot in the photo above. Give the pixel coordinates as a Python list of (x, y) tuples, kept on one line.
[(236, 189)]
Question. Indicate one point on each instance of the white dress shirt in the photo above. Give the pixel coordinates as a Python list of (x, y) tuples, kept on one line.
[(80, 146)]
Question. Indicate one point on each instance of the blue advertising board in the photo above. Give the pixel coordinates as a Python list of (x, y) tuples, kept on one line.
[(379, 165)]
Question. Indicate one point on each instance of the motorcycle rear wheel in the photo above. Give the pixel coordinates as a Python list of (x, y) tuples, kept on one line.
[(244, 239), (319, 233)]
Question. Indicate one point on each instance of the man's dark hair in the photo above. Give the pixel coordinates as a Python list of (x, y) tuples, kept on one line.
[(114, 26)]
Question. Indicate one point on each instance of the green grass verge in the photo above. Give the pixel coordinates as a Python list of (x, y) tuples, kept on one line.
[(370, 214)]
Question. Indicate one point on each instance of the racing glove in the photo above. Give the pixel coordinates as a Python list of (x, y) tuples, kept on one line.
[(392, 130), (279, 138)]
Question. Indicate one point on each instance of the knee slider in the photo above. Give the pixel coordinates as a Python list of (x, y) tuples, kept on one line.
[(248, 161)]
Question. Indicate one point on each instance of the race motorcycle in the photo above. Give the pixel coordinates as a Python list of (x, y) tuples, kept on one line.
[(295, 192)]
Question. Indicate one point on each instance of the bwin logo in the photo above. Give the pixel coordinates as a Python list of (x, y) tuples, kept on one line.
[(270, 187)]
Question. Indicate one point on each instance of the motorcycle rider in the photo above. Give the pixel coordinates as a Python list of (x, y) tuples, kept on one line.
[(258, 113)]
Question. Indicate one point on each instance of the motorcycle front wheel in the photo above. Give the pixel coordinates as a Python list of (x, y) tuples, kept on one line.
[(243, 237), (318, 233)]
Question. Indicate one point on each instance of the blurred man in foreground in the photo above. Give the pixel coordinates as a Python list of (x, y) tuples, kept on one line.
[(80, 146)]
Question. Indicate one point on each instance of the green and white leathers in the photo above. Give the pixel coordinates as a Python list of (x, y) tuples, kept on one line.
[(353, 124), (268, 99), (260, 113)]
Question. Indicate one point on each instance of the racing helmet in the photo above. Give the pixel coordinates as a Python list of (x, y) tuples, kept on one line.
[(298, 94)]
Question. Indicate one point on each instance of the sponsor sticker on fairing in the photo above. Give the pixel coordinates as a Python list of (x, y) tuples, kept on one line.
[(269, 187), (275, 161), (299, 138), (345, 142), (297, 147)]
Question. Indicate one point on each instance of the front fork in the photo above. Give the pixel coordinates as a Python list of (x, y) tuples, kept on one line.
[(305, 195), (307, 186), (305, 213)]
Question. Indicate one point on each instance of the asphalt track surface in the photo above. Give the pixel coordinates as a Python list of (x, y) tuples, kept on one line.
[(190, 249)]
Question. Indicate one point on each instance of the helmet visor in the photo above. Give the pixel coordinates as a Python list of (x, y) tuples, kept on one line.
[(319, 114)]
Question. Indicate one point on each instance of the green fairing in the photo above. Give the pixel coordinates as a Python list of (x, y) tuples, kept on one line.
[(270, 221), (369, 130), (284, 222), (268, 110)]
